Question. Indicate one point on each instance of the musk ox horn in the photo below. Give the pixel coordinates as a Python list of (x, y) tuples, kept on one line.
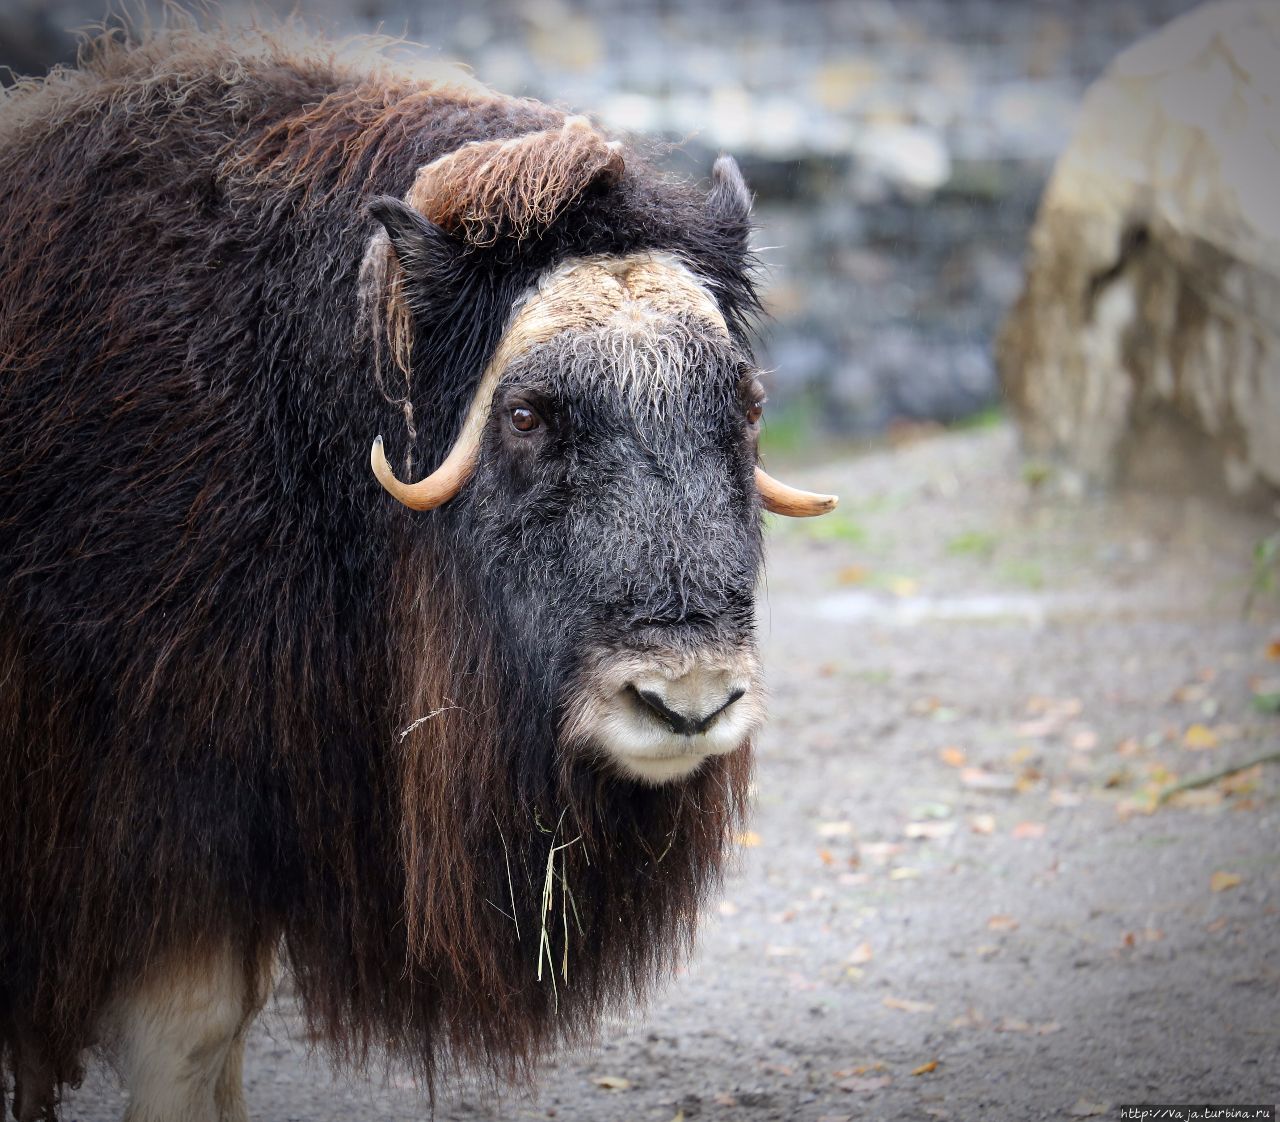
[(438, 487), (790, 501)]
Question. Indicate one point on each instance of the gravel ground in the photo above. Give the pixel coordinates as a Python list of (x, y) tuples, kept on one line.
[(955, 900)]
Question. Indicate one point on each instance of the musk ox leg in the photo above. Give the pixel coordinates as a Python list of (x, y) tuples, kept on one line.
[(35, 1087), (179, 1038)]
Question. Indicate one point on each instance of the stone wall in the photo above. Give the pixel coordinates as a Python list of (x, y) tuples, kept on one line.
[(897, 150)]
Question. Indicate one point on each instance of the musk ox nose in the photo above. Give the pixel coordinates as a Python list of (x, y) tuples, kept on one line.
[(690, 704)]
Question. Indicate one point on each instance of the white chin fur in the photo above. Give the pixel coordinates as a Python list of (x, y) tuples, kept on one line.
[(608, 719), (646, 751)]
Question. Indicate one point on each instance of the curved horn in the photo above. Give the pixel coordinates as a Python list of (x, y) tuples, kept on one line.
[(790, 501), (438, 487)]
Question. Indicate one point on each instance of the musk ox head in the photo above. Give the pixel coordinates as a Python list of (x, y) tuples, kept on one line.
[(607, 467)]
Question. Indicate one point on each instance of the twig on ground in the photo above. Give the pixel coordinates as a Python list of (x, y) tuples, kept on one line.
[(1213, 776)]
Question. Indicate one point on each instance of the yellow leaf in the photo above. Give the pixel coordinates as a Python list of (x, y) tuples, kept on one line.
[(924, 1069), (612, 1082), (853, 574), (903, 587), (1221, 881), (748, 839), (952, 756), (1273, 650), (1199, 737), (904, 872)]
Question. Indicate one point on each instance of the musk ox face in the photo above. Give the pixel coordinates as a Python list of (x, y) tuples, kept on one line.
[(612, 499), (614, 503)]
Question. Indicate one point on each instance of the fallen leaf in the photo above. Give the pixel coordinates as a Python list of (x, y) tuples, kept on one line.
[(906, 1005), (1012, 1024), (924, 1069), (1085, 741), (904, 872), (983, 824), (723, 1098), (826, 857), (1086, 1109), (1129, 746), (612, 1082), (835, 829), (1199, 738), (1034, 730), (748, 839), (903, 587), (1146, 935), (1205, 798), (1191, 693), (1273, 650), (880, 852), (1143, 803), (860, 1069), (861, 954), (1002, 923), (952, 756), (978, 779), (1028, 830), (864, 1084), (970, 1018), (853, 574), (678, 1116), (930, 830), (1221, 881), (986, 950)]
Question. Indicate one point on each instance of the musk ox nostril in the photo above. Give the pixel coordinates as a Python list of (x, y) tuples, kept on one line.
[(683, 724)]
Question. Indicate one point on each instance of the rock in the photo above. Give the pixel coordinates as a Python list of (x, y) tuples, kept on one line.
[(1152, 297)]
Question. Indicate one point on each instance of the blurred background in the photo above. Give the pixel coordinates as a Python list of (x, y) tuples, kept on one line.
[(897, 151)]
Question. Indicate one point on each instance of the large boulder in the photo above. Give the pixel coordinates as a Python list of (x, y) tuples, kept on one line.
[(1147, 336)]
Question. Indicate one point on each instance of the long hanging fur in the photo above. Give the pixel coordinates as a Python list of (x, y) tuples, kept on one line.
[(242, 695)]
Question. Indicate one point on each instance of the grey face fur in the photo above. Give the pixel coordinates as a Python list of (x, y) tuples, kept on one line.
[(621, 516)]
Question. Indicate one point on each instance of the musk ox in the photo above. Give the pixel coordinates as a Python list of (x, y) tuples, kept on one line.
[(467, 774)]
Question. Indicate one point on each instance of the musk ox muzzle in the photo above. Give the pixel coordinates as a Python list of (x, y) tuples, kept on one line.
[(656, 717)]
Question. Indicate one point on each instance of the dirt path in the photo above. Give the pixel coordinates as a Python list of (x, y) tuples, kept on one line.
[(952, 904)]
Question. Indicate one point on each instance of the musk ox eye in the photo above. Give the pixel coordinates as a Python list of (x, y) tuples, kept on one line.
[(524, 419), (755, 411)]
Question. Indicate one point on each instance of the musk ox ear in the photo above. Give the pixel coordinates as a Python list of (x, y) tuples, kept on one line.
[(729, 201), (421, 247)]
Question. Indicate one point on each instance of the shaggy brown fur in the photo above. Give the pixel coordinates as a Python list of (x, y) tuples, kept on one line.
[(513, 188), (242, 697)]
